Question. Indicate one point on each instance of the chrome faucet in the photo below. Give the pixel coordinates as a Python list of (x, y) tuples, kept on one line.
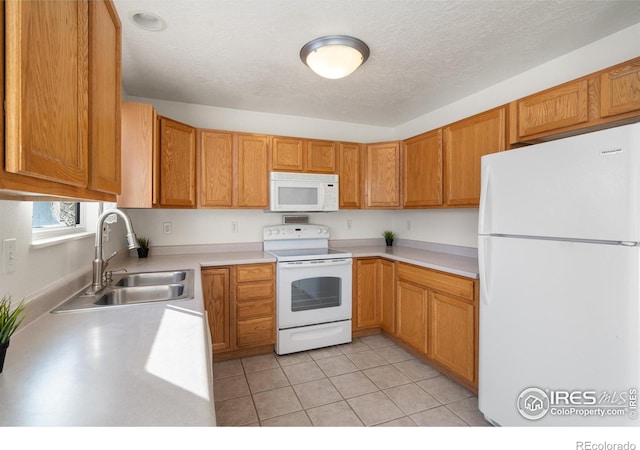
[(99, 263)]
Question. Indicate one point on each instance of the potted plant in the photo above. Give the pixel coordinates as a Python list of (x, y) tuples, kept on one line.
[(388, 237), (9, 322), (143, 249)]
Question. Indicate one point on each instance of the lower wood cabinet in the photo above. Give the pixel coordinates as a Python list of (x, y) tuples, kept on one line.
[(240, 302), (431, 312), (373, 294)]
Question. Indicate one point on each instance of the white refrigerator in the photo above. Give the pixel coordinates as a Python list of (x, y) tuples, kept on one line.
[(559, 254)]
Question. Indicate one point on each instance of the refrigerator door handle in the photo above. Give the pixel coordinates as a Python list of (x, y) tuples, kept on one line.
[(484, 266), (484, 198)]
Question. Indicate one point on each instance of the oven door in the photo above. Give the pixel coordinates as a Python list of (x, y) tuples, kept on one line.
[(313, 292)]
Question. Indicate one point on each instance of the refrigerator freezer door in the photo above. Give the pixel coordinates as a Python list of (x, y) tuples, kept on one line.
[(561, 317), (582, 187)]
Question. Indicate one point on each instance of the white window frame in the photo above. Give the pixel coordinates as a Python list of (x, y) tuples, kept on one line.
[(43, 237)]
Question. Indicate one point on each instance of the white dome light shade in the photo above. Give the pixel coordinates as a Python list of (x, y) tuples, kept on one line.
[(334, 56)]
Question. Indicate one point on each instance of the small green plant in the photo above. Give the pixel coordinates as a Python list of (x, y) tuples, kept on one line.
[(389, 235), (143, 242), (9, 320)]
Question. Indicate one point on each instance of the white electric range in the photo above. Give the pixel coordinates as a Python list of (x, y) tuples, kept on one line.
[(313, 295)]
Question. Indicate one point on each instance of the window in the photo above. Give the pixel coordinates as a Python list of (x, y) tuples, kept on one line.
[(53, 219)]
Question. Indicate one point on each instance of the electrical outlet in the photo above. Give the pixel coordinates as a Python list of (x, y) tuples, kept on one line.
[(234, 226), (349, 224), (106, 232), (9, 255), (167, 228)]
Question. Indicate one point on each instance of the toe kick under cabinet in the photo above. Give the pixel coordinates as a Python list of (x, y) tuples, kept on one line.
[(240, 304)]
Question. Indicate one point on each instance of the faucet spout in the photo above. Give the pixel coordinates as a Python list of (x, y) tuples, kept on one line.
[(99, 264)]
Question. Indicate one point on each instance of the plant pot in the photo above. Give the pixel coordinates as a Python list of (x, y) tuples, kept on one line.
[(3, 353), (143, 252), (389, 242)]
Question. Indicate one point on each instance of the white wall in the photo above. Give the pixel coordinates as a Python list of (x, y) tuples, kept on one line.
[(37, 268), (209, 226)]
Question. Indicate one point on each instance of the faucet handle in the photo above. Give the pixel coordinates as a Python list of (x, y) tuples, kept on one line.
[(108, 275)]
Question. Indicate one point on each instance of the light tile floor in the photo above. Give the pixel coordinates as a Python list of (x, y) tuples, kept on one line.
[(369, 382)]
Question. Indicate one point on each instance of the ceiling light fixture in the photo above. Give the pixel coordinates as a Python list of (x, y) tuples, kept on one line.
[(334, 56), (147, 20)]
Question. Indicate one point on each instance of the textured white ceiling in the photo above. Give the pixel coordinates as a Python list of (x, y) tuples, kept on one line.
[(244, 54)]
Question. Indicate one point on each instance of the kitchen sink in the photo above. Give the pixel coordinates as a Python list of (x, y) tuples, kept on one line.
[(149, 278), (134, 289)]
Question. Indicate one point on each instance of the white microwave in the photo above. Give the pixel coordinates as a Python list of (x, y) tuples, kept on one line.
[(302, 192)]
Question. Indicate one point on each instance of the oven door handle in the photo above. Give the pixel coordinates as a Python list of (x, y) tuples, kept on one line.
[(315, 263)]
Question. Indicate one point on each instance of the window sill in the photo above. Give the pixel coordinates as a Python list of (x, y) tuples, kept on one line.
[(55, 240)]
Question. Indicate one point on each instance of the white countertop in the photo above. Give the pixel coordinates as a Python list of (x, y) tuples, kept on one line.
[(460, 265), (139, 365)]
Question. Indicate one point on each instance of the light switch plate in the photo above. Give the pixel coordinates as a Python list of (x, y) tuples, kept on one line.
[(9, 255)]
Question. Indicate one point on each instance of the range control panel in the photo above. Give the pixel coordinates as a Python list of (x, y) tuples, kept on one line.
[(295, 231)]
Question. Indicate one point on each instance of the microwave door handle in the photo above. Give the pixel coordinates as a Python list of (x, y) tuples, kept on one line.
[(321, 190)]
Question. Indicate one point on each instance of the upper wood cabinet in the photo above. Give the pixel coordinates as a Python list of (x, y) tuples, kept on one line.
[(140, 125), (422, 167), (287, 154), (620, 89), (62, 116), (104, 97), (253, 171), (350, 175), (303, 155), (553, 109), (177, 164), (216, 155), (233, 170), (465, 142), (382, 175), (603, 99)]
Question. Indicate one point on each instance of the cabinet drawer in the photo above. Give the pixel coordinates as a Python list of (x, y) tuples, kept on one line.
[(256, 332), (254, 272), (451, 284), (253, 291), (255, 309)]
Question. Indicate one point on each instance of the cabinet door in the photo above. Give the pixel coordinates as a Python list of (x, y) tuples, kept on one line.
[(350, 175), (253, 171), (422, 170), (215, 292), (620, 90), (321, 157), (104, 97), (382, 175), (46, 67), (452, 327), (287, 154), (412, 304), (553, 109), (388, 296), (465, 142), (367, 300), (140, 150), (216, 169), (177, 164)]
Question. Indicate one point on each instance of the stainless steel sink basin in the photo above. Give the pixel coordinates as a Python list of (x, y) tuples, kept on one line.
[(149, 278), (133, 289), (141, 294)]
